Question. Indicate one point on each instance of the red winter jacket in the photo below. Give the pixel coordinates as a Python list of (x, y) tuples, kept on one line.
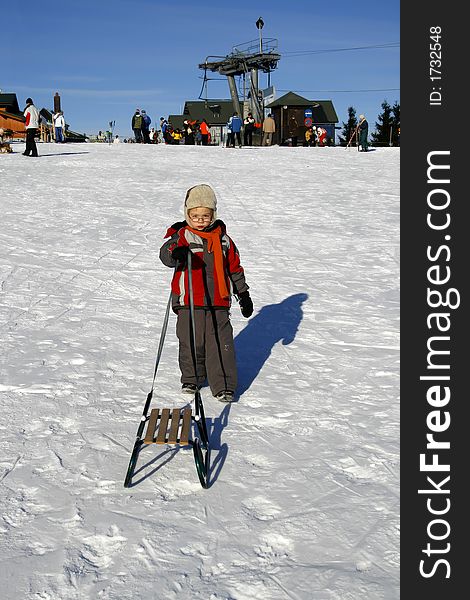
[(205, 289), (204, 128)]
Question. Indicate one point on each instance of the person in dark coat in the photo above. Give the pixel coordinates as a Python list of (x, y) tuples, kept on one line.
[(137, 122), (146, 120), (188, 134), (249, 127), (363, 128), (293, 130)]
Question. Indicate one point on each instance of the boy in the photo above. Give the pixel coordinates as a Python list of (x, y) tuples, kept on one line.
[(216, 275)]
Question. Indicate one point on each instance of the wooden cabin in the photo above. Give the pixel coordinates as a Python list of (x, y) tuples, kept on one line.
[(11, 118), (320, 113)]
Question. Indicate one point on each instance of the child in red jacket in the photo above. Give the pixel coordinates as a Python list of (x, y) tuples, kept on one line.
[(216, 275)]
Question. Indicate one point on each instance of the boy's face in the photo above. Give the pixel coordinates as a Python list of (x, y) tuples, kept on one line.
[(200, 217)]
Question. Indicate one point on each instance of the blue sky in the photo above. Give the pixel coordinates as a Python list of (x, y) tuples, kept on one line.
[(107, 57)]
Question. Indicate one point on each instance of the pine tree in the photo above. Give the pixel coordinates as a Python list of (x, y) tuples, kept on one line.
[(396, 124), (383, 126), (348, 128)]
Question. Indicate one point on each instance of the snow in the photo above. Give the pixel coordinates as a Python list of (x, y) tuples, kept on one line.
[(303, 500)]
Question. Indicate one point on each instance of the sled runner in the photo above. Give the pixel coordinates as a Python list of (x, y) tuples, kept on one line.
[(172, 426)]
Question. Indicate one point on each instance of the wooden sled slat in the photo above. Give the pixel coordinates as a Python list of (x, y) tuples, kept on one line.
[(184, 438), (150, 435), (161, 436), (175, 422)]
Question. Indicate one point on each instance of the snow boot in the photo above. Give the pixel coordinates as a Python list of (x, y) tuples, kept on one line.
[(189, 388), (224, 396)]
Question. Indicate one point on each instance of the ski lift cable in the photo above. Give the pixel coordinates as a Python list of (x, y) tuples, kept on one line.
[(295, 53), (339, 91)]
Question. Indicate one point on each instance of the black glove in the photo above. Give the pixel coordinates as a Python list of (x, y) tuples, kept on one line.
[(246, 305), (180, 253)]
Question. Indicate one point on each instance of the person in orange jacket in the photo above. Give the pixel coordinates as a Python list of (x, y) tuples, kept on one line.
[(204, 128)]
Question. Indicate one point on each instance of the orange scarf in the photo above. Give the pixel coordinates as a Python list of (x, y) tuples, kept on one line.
[(214, 245)]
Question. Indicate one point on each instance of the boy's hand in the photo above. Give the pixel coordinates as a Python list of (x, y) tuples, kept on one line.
[(246, 304), (180, 253)]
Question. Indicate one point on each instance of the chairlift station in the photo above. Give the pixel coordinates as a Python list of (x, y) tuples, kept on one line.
[(246, 59)]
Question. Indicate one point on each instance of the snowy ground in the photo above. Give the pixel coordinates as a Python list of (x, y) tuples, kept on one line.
[(303, 501)]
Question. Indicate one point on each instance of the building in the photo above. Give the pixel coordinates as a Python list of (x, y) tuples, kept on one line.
[(215, 112), (218, 112), (320, 112), (11, 118)]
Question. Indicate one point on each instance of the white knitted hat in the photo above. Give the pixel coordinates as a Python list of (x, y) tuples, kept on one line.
[(200, 195)]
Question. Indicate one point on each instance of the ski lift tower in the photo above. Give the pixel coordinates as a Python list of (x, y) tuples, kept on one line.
[(246, 59)]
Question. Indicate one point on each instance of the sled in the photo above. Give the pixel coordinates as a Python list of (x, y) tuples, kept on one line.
[(173, 427)]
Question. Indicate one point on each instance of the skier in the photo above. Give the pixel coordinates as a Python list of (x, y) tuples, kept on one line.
[(363, 128), (216, 275)]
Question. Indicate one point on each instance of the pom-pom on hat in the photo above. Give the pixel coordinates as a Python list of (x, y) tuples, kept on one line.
[(200, 195)]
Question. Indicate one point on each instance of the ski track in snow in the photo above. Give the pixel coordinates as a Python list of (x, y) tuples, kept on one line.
[(304, 500)]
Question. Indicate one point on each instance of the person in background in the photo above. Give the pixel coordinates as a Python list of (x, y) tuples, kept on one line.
[(146, 120), (293, 130), (269, 127), (177, 136), (31, 115), (59, 127), (164, 126), (249, 126), (235, 126), (216, 274), (363, 128), (310, 138), (204, 129), (188, 127), (116, 140), (137, 125)]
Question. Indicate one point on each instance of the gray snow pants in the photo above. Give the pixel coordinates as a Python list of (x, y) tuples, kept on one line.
[(215, 352)]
